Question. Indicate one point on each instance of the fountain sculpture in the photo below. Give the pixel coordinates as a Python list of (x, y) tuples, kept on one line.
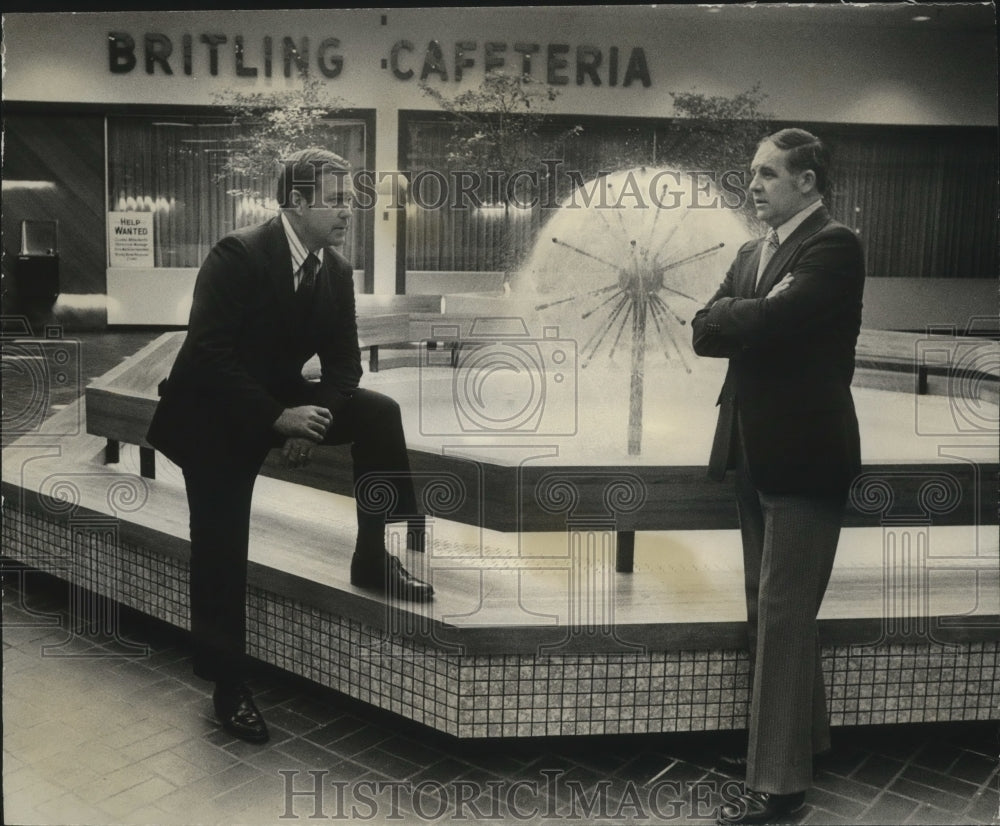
[(630, 270)]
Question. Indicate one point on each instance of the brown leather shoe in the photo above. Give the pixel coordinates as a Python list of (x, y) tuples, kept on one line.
[(239, 715), (758, 807), (386, 574)]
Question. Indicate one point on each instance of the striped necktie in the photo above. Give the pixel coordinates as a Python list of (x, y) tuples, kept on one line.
[(767, 251), (307, 275)]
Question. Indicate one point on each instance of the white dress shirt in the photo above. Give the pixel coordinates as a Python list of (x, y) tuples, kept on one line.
[(299, 251)]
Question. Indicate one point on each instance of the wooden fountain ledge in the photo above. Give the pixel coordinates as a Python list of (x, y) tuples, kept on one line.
[(120, 404), (532, 632)]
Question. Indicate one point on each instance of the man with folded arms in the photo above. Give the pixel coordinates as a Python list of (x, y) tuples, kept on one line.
[(787, 317)]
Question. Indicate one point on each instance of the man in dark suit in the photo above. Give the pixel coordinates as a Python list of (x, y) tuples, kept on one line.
[(787, 317), (266, 300)]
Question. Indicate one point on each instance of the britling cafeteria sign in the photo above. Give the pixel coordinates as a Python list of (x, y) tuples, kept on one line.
[(558, 64)]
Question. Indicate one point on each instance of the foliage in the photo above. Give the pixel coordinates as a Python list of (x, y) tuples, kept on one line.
[(500, 129), (499, 125), (268, 126), (714, 132)]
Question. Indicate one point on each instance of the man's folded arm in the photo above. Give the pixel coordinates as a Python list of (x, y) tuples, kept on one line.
[(824, 276), (706, 337)]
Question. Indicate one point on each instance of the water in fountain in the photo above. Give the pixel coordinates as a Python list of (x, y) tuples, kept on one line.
[(621, 269), (643, 231)]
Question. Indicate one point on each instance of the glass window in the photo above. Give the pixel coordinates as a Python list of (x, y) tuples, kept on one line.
[(923, 199), (481, 230), (175, 168)]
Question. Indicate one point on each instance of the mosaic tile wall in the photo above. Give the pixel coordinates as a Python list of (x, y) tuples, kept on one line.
[(516, 695)]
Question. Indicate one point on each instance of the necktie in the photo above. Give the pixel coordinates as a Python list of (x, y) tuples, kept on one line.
[(766, 253), (307, 277)]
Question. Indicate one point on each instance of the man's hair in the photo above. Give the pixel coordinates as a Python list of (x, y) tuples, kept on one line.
[(301, 171), (805, 151)]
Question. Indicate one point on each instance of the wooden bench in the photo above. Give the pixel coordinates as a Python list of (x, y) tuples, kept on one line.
[(120, 404), (375, 306)]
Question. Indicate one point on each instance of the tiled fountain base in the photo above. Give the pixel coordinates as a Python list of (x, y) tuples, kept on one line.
[(516, 695)]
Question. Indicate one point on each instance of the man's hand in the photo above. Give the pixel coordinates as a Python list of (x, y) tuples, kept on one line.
[(306, 422), (781, 286), (297, 452)]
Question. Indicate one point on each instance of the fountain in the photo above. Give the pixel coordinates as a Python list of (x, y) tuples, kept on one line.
[(604, 300), (616, 275), (536, 468), (636, 266)]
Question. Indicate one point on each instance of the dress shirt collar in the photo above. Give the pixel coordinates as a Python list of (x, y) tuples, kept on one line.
[(793, 223), (298, 249)]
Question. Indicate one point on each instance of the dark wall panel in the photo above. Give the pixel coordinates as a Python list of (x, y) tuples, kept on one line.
[(66, 153)]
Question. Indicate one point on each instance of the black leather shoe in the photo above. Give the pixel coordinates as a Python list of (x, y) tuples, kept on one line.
[(388, 576), (236, 710), (759, 807)]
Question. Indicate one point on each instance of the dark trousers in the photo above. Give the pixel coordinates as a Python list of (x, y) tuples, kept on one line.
[(789, 544), (219, 497)]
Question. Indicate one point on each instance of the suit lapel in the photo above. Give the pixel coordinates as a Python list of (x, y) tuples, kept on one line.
[(334, 265), (776, 267), (335, 260), (278, 265), (748, 276)]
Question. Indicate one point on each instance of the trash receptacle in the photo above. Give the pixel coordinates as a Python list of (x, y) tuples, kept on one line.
[(36, 273)]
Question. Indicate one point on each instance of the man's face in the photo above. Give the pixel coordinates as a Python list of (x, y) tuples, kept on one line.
[(778, 193), (325, 223)]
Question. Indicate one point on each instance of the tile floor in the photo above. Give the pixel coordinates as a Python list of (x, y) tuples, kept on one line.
[(99, 731)]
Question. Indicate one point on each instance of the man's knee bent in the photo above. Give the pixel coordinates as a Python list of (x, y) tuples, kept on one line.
[(369, 403)]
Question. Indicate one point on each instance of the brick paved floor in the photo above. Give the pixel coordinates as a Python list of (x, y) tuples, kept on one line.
[(97, 731)]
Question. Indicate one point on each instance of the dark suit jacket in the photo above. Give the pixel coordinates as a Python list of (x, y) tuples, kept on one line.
[(248, 338), (791, 360)]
